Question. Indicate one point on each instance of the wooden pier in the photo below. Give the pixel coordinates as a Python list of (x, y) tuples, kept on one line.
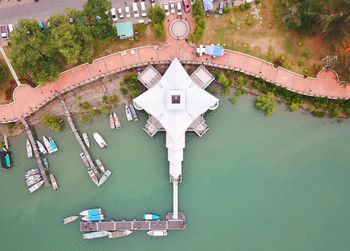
[(36, 152), (134, 225), (77, 136)]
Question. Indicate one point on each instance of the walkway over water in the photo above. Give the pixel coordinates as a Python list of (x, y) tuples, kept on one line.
[(168, 224)]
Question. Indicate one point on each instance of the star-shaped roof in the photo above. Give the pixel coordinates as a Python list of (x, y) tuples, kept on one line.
[(176, 101)]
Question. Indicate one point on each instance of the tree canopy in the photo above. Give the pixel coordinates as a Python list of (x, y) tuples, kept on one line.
[(157, 16), (266, 103)]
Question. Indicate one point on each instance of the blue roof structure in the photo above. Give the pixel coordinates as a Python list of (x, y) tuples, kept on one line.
[(208, 5), (124, 29)]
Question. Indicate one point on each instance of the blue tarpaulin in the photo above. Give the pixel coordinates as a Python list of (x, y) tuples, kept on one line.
[(214, 50), (208, 5)]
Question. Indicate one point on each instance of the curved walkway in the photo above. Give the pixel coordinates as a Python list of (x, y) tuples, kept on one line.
[(28, 100)]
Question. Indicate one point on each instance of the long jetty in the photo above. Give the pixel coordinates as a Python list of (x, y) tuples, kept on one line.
[(36, 152), (168, 224), (77, 135)]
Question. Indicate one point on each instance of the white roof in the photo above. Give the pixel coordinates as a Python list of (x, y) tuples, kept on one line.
[(176, 81)]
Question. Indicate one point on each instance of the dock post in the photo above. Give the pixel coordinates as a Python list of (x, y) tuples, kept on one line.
[(175, 200)]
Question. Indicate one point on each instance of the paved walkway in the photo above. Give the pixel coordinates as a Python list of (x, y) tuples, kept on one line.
[(28, 100)]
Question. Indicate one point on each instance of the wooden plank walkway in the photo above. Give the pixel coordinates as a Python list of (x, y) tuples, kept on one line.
[(36, 152), (77, 136), (135, 225)]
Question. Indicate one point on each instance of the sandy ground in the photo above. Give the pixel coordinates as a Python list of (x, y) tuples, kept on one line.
[(14, 2)]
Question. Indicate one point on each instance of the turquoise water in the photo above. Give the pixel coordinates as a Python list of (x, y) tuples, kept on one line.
[(251, 183)]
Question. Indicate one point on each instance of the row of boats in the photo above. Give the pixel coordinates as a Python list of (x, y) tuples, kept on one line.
[(130, 112), (98, 138), (34, 180), (114, 122), (49, 146)]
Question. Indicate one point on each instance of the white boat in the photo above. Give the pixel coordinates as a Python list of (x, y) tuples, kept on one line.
[(158, 233), (133, 112), (70, 219), (99, 140), (119, 234), (93, 211), (86, 139), (29, 149), (100, 165), (42, 149), (94, 235), (104, 177), (32, 182), (53, 145), (46, 162), (93, 218), (47, 145), (84, 159), (111, 121), (31, 172), (36, 186), (116, 120), (93, 176), (128, 113), (53, 181), (33, 177)]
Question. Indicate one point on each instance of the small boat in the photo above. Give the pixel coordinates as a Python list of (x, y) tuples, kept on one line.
[(99, 140), (32, 189), (32, 182), (46, 162), (29, 149), (42, 149), (133, 112), (151, 217), (53, 181), (33, 177), (93, 211), (94, 235), (84, 159), (98, 217), (119, 234), (53, 145), (7, 160), (128, 113), (100, 165), (93, 176), (116, 120), (47, 145), (31, 172), (70, 219), (86, 139), (104, 177), (111, 121), (158, 233)]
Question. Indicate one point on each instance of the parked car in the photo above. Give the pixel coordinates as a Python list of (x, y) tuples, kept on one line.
[(172, 8), (143, 9), (127, 11), (179, 8), (114, 15), (135, 10), (153, 3), (166, 9), (42, 26), (11, 28), (221, 8), (70, 20), (120, 13), (187, 5), (4, 31)]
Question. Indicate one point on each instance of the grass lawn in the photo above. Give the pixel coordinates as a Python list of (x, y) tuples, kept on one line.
[(7, 86), (265, 39)]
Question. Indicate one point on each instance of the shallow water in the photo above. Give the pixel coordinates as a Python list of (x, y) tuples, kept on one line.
[(251, 183)]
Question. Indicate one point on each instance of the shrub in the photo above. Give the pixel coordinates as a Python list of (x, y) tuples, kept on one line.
[(294, 107), (223, 80), (85, 118), (250, 21), (238, 93), (124, 91), (266, 103), (199, 19), (104, 110), (233, 100), (85, 106), (53, 122), (226, 9), (157, 16), (10, 125), (3, 72), (257, 1)]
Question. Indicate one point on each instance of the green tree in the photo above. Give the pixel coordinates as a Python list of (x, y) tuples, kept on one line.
[(266, 103), (53, 122), (223, 80), (157, 16), (199, 19), (99, 19), (32, 54), (343, 66), (3, 72)]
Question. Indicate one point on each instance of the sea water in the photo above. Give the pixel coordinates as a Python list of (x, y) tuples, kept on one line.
[(250, 183)]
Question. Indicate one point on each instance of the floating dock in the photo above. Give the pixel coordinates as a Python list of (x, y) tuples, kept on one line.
[(134, 225)]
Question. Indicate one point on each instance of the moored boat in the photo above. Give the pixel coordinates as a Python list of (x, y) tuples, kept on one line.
[(100, 165), (32, 189), (94, 235), (158, 233), (31, 172), (47, 145), (7, 160), (84, 159), (70, 219), (128, 113), (93, 218), (53, 181), (99, 140), (29, 149), (3, 159), (41, 147), (119, 234), (111, 121), (133, 112), (151, 217), (93, 211), (53, 145), (33, 177), (104, 177), (93, 176), (32, 182), (46, 162), (86, 139), (116, 120)]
